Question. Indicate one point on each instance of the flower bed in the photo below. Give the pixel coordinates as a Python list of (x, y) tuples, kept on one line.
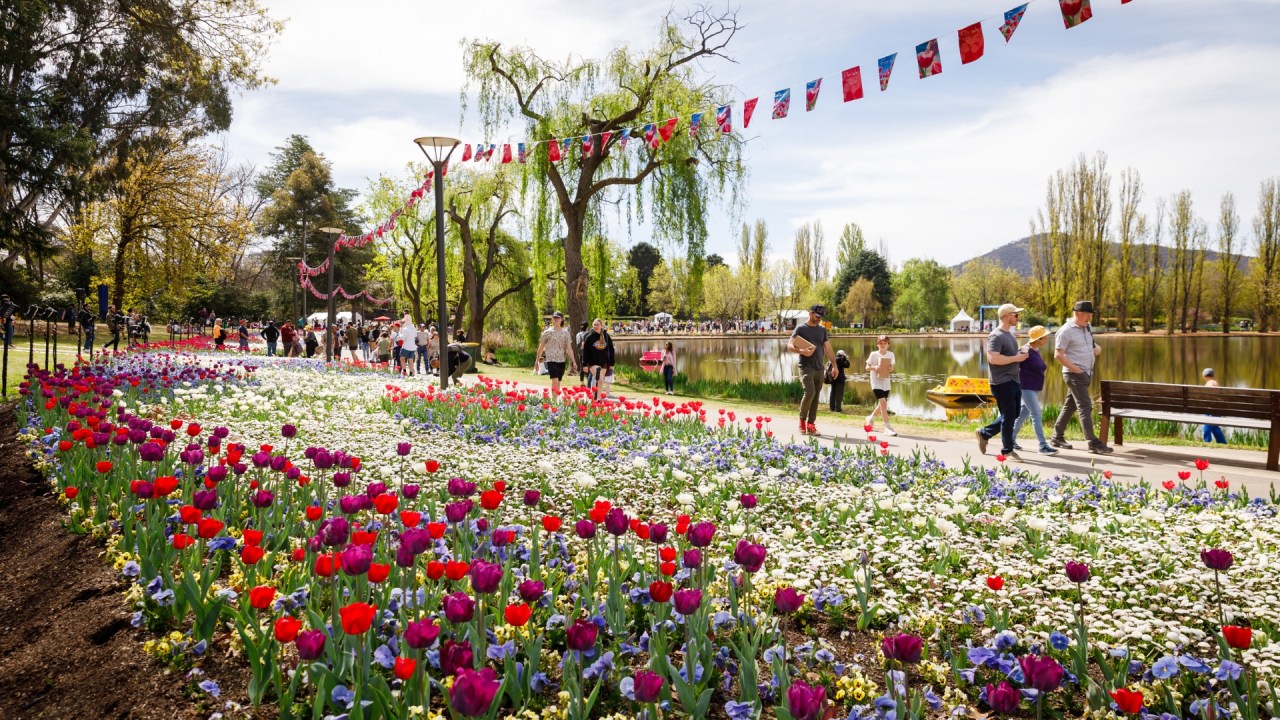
[(385, 550)]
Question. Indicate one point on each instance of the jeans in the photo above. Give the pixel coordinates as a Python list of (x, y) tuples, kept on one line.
[(1031, 408), (1077, 400), (1213, 433), (837, 396), (1009, 400), (669, 377), (420, 363), (812, 382), (114, 342), (271, 348), (364, 350), (88, 338)]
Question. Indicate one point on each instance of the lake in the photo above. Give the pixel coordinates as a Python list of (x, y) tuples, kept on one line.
[(1240, 361)]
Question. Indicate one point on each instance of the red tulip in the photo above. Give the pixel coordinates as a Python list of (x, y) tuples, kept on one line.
[(357, 618), (456, 570), (660, 591), (287, 629), (71, 492), (667, 554), (314, 512), (432, 466), (1129, 701), (251, 554), (500, 486), (164, 485), (104, 466), (361, 537), (410, 518), (189, 514), (1001, 458), (1202, 464), (208, 527), (260, 597), (1239, 638), (1222, 483), (386, 504), (324, 566), (518, 614), (1168, 484), (65, 445), (252, 537), (182, 541), (1106, 474), (1184, 474), (404, 667), (435, 570), (436, 530), (192, 430), (995, 582), (551, 523)]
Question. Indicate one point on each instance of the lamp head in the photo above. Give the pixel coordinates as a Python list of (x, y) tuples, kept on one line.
[(437, 148)]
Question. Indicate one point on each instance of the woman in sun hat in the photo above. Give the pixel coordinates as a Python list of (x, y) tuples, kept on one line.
[(1032, 381)]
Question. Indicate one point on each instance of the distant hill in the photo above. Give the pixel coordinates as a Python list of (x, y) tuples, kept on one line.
[(1017, 256)]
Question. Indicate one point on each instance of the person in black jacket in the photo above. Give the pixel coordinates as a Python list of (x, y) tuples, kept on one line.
[(837, 383), (271, 334), (597, 353)]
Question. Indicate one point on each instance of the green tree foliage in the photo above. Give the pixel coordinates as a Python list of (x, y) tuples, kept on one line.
[(871, 265), (88, 83), (1228, 256), (644, 257), (1130, 227), (808, 258), (577, 97), (1266, 263), (1070, 252), (860, 302), (851, 243), (983, 281), (922, 293), (724, 294)]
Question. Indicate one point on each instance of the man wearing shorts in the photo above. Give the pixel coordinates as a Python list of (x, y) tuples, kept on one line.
[(555, 349)]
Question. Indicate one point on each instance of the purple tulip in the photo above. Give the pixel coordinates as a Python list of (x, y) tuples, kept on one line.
[(692, 559), (532, 498), (1040, 672), (310, 644), (686, 602), (700, 534), (409, 491), (403, 448), (787, 600), (352, 504), (293, 473), (217, 473), (417, 540), (204, 499), (456, 657), (748, 500), (485, 576), (356, 559), (458, 487), (341, 479), (144, 490), (616, 522), (749, 555), (263, 498), (648, 686), (585, 529), (1217, 559), (1003, 698), (334, 531), (531, 590), (239, 468), (902, 647), (458, 608), (404, 558), (374, 489), (1077, 572), (456, 512), (288, 431), (581, 635), (482, 524), (658, 533), (260, 459), (221, 432), (323, 459), (150, 452), (473, 692), (805, 702), (421, 634)]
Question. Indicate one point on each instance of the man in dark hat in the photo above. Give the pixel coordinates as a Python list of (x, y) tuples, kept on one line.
[(811, 342), (1075, 350)]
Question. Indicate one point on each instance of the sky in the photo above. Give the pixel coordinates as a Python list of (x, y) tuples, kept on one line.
[(948, 167)]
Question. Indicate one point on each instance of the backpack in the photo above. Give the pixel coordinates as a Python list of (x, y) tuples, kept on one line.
[(828, 372)]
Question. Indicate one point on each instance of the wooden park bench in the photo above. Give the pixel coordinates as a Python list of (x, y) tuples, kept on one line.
[(1193, 404)]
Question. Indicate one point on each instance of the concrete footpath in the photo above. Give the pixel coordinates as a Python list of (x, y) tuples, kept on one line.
[(1132, 462)]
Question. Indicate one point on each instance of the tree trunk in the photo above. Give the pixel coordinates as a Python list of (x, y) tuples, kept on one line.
[(576, 277), (122, 246)]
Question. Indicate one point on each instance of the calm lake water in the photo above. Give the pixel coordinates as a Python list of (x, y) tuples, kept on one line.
[(925, 362)]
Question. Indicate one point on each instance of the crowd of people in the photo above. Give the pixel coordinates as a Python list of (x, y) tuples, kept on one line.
[(590, 354)]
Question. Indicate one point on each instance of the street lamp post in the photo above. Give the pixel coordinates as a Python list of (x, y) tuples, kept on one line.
[(331, 336), (297, 289), (438, 150)]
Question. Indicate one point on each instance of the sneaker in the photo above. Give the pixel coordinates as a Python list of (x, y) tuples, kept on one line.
[(804, 428), (870, 419), (889, 431), (1060, 443), (1012, 455), (982, 442), (1099, 449), (1048, 450), (1016, 446), (812, 430)]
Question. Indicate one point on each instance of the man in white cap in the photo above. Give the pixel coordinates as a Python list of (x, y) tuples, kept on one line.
[(1003, 357), (1075, 349)]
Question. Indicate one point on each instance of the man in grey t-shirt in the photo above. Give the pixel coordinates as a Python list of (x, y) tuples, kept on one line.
[(813, 346), (1075, 349), (1003, 357)]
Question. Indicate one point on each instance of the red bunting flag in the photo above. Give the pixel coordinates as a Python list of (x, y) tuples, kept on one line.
[(1075, 12), (466, 152), (748, 108), (1125, 2), (851, 82), (971, 43), (489, 153), (553, 150), (668, 128), (506, 153), (604, 139), (928, 59), (811, 90)]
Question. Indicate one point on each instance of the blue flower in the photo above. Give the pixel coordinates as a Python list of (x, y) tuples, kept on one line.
[(1228, 669), (200, 647), (1165, 668), (628, 688), (500, 651), (1005, 641), (164, 598), (982, 656), (341, 696), (384, 657), (1058, 641), (131, 569), (598, 668), (824, 655), (932, 699), (210, 687), (1192, 664), (739, 710)]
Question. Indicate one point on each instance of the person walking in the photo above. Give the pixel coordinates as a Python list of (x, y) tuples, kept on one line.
[(1212, 433), (880, 365), (805, 341), (86, 320), (364, 342), (555, 350), (409, 346), (271, 334), (113, 327), (384, 348), (288, 337), (836, 401), (1003, 358), (219, 335), (312, 342), (669, 369), (597, 354), (577, 346), (1076, 350), (1031, 378), (353, 341), (243, 330)]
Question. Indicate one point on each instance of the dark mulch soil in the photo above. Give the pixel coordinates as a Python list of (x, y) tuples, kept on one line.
[(67, 649)]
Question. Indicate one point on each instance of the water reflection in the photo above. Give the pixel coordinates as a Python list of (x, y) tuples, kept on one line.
[(924, 362)]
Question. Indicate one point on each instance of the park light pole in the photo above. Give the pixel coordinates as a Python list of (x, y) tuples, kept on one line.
[(438, 149), (297, 289), (331, 336)]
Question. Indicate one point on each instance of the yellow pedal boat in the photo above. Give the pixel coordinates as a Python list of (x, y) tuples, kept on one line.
[(959, 391)]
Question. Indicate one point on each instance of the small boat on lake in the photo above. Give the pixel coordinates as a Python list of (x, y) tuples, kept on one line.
[(650, 360), (959, 391)]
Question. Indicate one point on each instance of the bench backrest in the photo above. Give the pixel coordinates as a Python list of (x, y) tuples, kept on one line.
[(1227, 402)]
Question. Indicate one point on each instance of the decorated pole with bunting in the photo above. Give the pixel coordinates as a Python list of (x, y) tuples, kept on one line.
[(330, 334)]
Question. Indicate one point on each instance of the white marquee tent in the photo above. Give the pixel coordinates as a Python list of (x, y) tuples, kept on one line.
[(961, 322)]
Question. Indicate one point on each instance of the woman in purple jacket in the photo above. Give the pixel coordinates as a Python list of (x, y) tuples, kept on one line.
[(1032, 381)]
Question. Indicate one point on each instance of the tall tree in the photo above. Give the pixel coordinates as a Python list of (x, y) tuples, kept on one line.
[(1182, 270), (407, 253), (1266, 237), (724, 295), (579, 97), (922, 290), (1228, 255), (89, 82), (1070, 252), (1151, 259), (644, 258), (983, 281), (860, 302), (871, 265), (850, 243), (1129, 225), (759, 246)]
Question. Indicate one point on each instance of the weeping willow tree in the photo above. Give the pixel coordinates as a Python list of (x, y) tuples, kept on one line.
[(668, 186)]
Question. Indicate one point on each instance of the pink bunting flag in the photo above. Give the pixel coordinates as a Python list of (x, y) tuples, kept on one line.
[(506, 153), (667, 129), (851, 83), (811, 90), (651, 135), (748, 108), (466, 152), (489, 153), (1075, 12), (604, 139), (972, 44), (928, 59)]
